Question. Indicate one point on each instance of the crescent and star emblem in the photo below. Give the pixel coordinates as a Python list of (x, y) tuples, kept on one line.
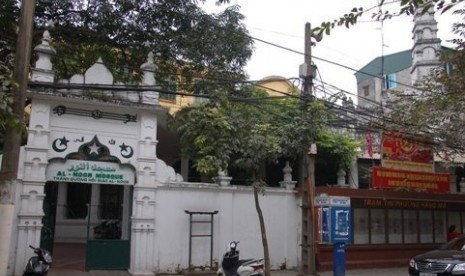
[(61, 146), (126, 151)]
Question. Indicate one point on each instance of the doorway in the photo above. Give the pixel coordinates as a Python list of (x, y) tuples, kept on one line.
[(86, 225)]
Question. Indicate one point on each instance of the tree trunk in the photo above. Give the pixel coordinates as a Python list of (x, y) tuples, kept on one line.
[(266, 252)]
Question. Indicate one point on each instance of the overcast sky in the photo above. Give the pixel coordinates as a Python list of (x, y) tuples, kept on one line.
[(283, 23)]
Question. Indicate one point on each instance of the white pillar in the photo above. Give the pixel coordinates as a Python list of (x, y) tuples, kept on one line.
[(6, 227), (143, 231), (43, 71), (287, 182), (185, 168), (149, 68), (143, 211), (353, 175), (61, 201), (35, 161), (341, 178), (29, 222)]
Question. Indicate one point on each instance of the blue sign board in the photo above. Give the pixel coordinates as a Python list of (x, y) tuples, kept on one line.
[(341, 224), (334, 219)]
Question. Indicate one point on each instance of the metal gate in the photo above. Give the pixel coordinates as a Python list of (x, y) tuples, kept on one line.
[(107, 255), (108, 242), (209, 235)]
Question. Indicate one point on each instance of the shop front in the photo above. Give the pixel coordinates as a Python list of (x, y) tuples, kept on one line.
[(405, 209), (390, 227)]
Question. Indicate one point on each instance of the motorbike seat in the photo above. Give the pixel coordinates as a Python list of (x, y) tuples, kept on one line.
[(245, 261)]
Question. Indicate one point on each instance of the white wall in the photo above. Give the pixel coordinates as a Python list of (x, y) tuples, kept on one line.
[(236, 220)]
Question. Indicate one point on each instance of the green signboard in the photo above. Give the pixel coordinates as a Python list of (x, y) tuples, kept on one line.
[(91, 172)]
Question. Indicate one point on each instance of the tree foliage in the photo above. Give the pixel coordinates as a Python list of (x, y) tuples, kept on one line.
[(408, 7), (184, 38), (435, 108), (338, 146), (6, 113), (246, 130), (9, 13), (187, 42), (123, 32)]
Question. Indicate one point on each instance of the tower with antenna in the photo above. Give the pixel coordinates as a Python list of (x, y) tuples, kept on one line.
[(401, 70)]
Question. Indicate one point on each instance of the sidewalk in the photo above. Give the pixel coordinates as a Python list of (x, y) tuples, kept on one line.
[(397, 271), (353, 272)]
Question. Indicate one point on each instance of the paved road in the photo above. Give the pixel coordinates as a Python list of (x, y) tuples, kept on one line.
[(353, 272)]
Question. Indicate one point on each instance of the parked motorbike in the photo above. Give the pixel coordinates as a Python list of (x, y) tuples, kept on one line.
[(232, 266), (108, 230), (40, 264)]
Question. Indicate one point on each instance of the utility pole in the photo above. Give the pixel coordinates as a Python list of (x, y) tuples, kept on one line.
[(308, 165), (12, 144)]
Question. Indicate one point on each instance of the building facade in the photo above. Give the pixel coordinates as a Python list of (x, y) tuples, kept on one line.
[(93, 185)]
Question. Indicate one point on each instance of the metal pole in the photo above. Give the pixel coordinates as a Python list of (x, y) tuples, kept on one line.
[(211, 240), (190, 241), (88, 234)]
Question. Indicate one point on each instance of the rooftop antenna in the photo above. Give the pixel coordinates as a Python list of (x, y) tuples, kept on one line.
[(381, 19)]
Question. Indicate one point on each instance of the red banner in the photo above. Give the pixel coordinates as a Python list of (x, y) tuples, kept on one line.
[(384, 178), (402, 153), (369, 144)]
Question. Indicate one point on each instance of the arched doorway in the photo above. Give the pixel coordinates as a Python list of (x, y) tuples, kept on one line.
[(87, 210)]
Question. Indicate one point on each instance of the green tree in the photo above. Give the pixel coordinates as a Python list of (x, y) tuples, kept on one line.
[(339, 147), (245, 129), (8, 15), (186, 41), (184, 38), (7, 118), (435, 108)]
